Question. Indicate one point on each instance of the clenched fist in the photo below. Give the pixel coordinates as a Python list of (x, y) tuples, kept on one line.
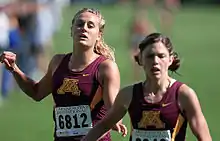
[(9, 59)]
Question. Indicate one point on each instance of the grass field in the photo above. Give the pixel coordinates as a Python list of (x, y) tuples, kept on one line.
[(196, 37)]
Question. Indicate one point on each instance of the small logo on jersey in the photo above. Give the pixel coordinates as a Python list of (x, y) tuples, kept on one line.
[(86, 74), (166, 104)]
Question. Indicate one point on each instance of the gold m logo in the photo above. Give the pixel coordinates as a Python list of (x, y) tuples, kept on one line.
[(151, 118), (69, 85)]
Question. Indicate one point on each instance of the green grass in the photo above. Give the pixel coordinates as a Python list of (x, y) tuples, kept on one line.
[(196, 38)]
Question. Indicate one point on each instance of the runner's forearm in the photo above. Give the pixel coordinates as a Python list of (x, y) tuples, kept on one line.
[(27, 85)]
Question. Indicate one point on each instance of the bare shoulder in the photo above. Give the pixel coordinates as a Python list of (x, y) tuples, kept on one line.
[(187, 97), (186, 91), (125, 96), (55, 61), (108, 64), (108, 69)]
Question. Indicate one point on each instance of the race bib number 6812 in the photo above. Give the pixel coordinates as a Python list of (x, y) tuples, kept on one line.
[(73, 121)]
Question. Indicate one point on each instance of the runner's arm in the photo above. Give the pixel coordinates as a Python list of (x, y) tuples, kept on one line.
[(35, 90), (117, 112), (190, 105)]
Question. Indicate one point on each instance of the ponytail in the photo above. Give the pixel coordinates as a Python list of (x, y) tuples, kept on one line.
[(102, 48)]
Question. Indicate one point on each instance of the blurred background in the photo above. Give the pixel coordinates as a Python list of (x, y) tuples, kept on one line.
[(36, 29)]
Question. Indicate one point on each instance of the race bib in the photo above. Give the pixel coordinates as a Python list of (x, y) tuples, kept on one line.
[(142, 135), (73, 121)]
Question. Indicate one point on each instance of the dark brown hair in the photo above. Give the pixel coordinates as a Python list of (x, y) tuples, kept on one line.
[(101, 47), (155, 38)]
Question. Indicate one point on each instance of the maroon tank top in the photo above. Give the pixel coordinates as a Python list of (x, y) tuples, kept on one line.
[(78, 100), (162, 121)]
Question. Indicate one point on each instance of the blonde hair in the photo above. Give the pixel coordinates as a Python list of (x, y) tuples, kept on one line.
[(101, 47)]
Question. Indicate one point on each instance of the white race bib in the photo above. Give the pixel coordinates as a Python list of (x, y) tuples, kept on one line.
[(73, 121), (142, 135)]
